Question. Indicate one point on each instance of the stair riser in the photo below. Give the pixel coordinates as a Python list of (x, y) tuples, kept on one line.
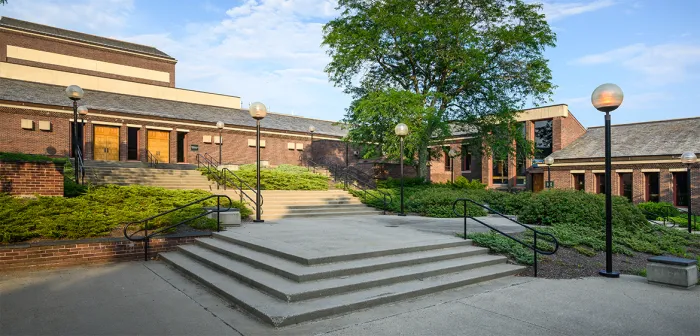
[(338, 258), (315, 211), (329, 214), (315, 205)]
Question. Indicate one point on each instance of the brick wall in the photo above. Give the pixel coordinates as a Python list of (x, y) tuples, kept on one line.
[(84, 51), (31, 178), (80, 252), (565, 131)]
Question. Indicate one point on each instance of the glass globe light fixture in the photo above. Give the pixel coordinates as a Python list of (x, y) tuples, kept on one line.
[(74, 92), (257, 110), (401, 130), (549, 160), (607, 97), (688, 158)]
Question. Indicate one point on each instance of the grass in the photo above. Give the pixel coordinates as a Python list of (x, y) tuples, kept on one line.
[(99, 212)]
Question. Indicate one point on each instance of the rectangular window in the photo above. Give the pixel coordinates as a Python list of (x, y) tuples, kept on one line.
[(600, 183), (132, 143), (543, 138), (652, 187), (680, 189), (466, 160), (448, 160), (521, 160), (500, 172), (580, 181), (626, 185)]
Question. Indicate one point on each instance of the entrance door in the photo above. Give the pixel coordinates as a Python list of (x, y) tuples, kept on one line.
[(537, 182), (106, 143), (132, 144), (159, 145), (680, 189), (181, 146)]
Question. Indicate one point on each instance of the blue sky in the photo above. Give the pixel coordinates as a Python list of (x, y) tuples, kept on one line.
[(269, 50)]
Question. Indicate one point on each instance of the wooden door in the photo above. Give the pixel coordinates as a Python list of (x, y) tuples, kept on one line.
[(159, 145), (106, 143), (537, 182)]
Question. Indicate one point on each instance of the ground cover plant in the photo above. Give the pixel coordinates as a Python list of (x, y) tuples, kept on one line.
[(99, 212), (283, 177)]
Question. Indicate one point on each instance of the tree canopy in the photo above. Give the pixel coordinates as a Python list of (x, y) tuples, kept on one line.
[(439, 66)]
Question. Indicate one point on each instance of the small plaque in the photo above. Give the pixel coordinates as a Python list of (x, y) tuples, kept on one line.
[(549, 184), (194, 148)]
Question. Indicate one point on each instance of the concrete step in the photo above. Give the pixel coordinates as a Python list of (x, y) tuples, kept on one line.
[(319, 205), (280, 313), (288, 290), (301, 273), (317, 209), (320, 214)]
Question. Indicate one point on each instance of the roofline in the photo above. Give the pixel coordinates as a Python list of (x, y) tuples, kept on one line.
[(168, 57), (296, 116), (543, 106), (649, 122)]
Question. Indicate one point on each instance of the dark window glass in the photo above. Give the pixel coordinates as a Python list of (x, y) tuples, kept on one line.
[(580, 181), (448, 159), (626, 185), (652, 186), (132, 143), (500, 172), (543, 138), (680, 186), (600, 183), (466, 159)]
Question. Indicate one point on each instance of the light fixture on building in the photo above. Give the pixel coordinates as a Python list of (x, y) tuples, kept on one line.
[(689, 159), (258, 111), (220, 126), (453, 154), (549, 161), (401, 131), (607, 98), (75, 93)]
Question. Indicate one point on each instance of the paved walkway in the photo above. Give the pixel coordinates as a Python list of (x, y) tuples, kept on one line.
[(149, 298)]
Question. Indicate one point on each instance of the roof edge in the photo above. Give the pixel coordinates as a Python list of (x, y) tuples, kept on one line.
[(648, 122)]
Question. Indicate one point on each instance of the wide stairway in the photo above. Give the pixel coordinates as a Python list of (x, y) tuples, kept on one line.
[(169, 176), (278, 204), (328, 271)]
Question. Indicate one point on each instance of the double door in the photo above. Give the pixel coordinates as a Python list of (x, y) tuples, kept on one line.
[(159, 145), (106, 143)]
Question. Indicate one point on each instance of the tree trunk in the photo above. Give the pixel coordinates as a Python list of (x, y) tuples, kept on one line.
[(422, 161)]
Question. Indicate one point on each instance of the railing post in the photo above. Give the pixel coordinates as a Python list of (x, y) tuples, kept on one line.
[(465, 220), (218, 213), (535, 251), (145, 241), (384, 212)]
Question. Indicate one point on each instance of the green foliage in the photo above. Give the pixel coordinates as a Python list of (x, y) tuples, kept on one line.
[(98, 212), (431, 63), (463, 183), (396, 183), (504, 245), (284, 178), (437, 202), (21, 157), (659, 209)]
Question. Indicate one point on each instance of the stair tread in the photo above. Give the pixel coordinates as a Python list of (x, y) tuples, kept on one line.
[(302, 272), (290, 290), (282, 313)]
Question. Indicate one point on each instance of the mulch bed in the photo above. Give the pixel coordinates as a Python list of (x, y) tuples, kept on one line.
[(567, 263)]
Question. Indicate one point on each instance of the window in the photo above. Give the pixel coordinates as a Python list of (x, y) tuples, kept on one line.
[(626, 185), (680, 189), (600, 183), (521, 159), (651, 180), (466, 160), (580, 181), (500, 172), (543, 138)]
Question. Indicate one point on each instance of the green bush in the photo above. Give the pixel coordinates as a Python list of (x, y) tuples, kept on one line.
[(463, 183), (284, 177), (21, 157), (396, 183), (98, 212), (654, 210), (437, 202), (504, 245)]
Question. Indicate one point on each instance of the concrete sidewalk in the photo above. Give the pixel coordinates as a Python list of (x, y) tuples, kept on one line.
[(149, 298)]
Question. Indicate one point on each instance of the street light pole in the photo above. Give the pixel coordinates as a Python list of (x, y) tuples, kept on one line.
[(689, 158), (401, 130), (607, 98), (220, 126), (549, 160), (75, 93), (312, 129), (258, 111), (452, 154)]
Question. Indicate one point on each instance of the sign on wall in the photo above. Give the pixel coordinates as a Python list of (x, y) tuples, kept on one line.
[(549, 184), (194, 148)]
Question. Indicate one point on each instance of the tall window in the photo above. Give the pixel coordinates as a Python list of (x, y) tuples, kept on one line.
[(580, 181), (600, 183), (626, 185), (521, 159), (500, 171), (543, 138), (448, 159), (651, 180), (466, 159), (680, 189)]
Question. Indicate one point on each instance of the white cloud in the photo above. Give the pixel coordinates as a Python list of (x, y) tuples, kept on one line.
[(560, 10), (101, 15), (659, 64)]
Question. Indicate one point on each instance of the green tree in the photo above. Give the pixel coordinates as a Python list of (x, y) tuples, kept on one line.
[(440, 67), (2, 2)]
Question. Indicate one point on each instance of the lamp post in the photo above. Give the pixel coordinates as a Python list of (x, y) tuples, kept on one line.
[(83, 112), (312, 129), (689, 158), (607, 98), (75, 93), (452, 155), (401, 130), (220, 126), (549, 161), (258, 111)]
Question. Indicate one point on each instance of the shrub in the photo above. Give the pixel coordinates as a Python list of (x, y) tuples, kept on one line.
[(502, 244), (21, 157), (396, 183), (437, 202), (98, 212), (286, 178), (653, 210), (463, 183)]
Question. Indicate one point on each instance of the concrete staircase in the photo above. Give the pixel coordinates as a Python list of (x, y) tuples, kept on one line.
[(169, 176), (281, 287), (278, 204)]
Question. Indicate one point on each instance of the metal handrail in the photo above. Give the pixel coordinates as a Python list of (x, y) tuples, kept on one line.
[(80, 165), (666, 217), (533, 247), (695, 218), (151, 159), (366, 187), (224, 178), (211, 159), (146, 236)]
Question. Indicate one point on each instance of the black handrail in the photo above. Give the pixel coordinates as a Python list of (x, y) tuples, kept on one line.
[(203, 161), (146, 236), (151, 159), (212, 160), (665, 217), (533, 247), (224, 178), (80, 165), (367, 188), (695, 218)]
